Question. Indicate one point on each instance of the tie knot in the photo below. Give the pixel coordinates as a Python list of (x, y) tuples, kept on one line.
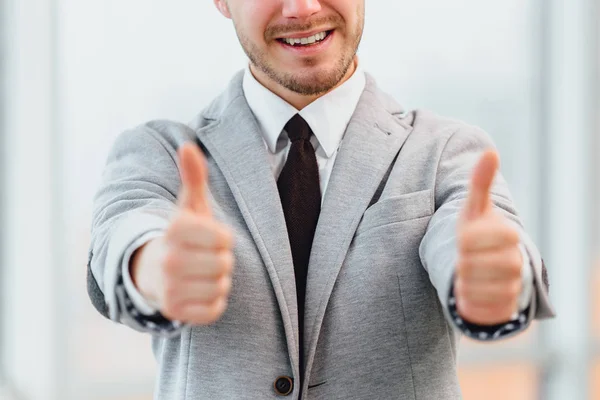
[(298, 129)]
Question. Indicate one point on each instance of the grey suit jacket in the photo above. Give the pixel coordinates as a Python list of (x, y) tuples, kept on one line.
[(380, 269)]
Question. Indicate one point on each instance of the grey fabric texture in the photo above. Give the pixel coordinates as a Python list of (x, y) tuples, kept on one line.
[(381, 265)]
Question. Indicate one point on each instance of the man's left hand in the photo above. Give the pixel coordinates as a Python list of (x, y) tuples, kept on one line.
[(488, 279)]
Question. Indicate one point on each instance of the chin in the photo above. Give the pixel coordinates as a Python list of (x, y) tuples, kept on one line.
[(322, 76), (311, 84)]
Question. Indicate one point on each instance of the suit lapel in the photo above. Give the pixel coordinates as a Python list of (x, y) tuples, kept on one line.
[(371, 142), (235, 143)]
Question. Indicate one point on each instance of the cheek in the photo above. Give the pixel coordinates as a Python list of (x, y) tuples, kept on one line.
[(353, 14), (254, 17)]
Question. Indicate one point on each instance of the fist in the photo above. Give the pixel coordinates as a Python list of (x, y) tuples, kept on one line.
[(488, 275), (187, 272)]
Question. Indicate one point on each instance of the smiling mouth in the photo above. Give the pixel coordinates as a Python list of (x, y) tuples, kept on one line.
[(306, 41)]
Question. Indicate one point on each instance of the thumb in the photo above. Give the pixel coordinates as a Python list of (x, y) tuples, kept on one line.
[(482, 179), (193, 170)]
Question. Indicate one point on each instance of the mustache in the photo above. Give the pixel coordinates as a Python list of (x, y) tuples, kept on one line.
[(275, 31)]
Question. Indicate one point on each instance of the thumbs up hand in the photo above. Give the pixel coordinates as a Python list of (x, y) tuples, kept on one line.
[(488, 280), (187, 272)]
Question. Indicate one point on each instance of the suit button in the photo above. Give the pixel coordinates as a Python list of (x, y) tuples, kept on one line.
[(283, 385)]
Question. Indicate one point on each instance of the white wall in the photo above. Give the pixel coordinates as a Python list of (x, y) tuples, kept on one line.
[(29, 289), (120, 63)]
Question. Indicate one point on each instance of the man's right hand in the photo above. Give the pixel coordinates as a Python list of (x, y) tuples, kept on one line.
[(187, 272)]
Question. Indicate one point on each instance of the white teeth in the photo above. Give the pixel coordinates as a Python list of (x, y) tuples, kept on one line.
[(307, 40)]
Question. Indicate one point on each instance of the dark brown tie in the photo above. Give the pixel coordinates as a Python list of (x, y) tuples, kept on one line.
[(300, 194)]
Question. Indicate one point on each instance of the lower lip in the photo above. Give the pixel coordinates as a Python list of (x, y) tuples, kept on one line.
[(308, 50)]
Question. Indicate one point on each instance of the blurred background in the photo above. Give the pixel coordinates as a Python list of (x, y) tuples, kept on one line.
[(75, 73)]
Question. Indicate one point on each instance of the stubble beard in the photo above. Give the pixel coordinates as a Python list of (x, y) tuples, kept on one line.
[(315, 82)]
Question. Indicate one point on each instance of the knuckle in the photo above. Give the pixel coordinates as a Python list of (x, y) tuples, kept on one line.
[(515, 289), (516, 262), (215, 311), (225, 262), (211, 316), (222, 307), (223, 286), (210, 291), (194, 314), (227, 237), (201, 314), (514, 271), (512, 235)]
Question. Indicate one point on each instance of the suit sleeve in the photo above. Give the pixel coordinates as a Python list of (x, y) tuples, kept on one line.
[(134, 203), (438, 249)]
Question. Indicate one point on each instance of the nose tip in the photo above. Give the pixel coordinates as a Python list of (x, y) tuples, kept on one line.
[(301, 8)]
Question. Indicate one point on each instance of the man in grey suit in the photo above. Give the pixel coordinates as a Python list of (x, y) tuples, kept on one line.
[(304, 236)]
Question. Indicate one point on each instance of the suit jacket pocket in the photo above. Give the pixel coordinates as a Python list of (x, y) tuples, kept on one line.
[(396, 209)]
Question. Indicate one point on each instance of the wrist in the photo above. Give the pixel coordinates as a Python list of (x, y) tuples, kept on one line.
[(140, 273)]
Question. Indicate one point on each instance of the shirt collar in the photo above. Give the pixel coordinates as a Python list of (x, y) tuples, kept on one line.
[(328, 116)]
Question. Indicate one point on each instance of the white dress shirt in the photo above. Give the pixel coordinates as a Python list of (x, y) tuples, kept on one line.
[(328, 117)]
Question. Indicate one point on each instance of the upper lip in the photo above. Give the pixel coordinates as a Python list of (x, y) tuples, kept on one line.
[(301, 35)]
